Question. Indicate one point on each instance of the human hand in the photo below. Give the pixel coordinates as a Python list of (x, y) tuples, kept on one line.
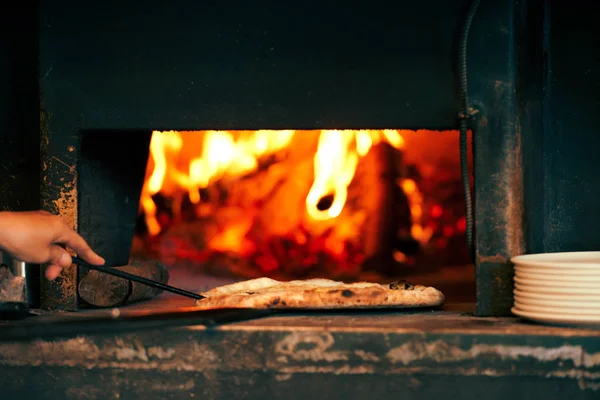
[(38, 237)]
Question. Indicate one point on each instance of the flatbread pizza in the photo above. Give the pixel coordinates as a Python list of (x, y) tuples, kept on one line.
[(324, 294)]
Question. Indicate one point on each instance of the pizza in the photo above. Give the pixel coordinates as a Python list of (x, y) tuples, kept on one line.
[(266, 293)]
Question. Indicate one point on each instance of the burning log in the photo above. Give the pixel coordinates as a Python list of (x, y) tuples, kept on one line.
[(378, 183), (102, 290)]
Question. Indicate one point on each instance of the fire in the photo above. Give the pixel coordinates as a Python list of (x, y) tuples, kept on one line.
[(335, 163), (161, 145), (221, 156), (225, 154), (415, 199)]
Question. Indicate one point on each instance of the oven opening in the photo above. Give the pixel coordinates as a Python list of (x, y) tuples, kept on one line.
[(349, 205)]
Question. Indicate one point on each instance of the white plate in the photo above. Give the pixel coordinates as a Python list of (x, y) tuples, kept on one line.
[(558, 310), (557, 271), (579, 259), (562, 277), (558, 284), (558, 319), (557, 289), (554, 302), (558, 297)]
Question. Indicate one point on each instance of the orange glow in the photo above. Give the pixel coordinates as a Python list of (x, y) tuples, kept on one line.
[(232, 238), (436, 211), (182, 164), (415, 199), (289, 204), (448, 231), (409, 186), (221, 156), (399, 256), (162, 146), (335, 163), (461, 224)]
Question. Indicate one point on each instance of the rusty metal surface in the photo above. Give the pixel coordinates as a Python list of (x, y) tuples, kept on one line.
[(59, 147), (536, 179), (422, 355), (59, 144), (497, 156)]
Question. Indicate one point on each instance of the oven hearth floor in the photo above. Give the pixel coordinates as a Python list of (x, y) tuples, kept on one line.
[(144, 353)]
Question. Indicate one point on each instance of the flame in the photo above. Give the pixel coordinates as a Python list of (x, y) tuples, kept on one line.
[(335, 163), (415, 199), (162, 145), (334, 168), (221, 155), (225, 154)]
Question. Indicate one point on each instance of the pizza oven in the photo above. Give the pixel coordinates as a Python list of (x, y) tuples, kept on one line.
[(202, 143)]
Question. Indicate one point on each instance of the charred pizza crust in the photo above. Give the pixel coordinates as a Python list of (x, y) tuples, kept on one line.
[(266, 293)]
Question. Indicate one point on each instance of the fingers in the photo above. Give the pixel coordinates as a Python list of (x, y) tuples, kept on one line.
[(52, 272), (58, 258), (71, 239)]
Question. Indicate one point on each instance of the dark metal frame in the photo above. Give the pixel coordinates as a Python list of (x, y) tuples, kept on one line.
[(109, 70)]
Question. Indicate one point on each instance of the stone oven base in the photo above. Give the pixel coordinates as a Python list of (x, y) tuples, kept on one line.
[(410, 355)]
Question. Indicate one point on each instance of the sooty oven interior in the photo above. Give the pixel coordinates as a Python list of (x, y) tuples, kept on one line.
[(237, 139)]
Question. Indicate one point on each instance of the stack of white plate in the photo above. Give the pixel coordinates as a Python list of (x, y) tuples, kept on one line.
[(558, 288)]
